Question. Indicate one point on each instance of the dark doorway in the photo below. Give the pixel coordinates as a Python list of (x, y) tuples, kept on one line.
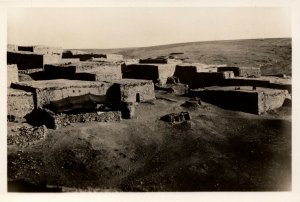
[(138, 98)]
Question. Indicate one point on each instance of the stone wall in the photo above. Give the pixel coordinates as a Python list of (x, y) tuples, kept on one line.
[(12, 74), (56, 121), (19, 103)]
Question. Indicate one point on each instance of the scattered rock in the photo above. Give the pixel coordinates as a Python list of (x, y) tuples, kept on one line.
[(192, 103), (176, 117), (27, 136)]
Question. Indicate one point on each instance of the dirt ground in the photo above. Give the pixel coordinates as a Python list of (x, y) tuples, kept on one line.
[(220, 150)]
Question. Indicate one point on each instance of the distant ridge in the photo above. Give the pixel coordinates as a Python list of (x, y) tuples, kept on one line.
[(273, 55)]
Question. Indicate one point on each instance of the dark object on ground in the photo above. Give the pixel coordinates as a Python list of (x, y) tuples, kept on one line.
[(192, 103), (24, 186), (176, 117)]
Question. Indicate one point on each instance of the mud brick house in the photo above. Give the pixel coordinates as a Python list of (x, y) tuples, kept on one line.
[(33, 57), (242, 71), (243, 99), (155, 72)]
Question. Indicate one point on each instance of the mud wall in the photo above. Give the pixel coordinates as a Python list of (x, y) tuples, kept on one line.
[(185, 74), (25, 60), (269, 100), (102, 71), (12, 74), (242, 71), (12, 48), (154, 61), (56, 121), (232, 100), (137, 92), (165, 71), (70, 60), (44, 93), (114, 57), (51, 54), (19, 103), (81, 56), (203, 79), (45, 96), (140, 71)]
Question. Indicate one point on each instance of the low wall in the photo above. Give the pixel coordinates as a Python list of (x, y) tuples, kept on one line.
[(19, 103), (12, 74), (114, 57), (271, 100), (242, 71), (25, 60), (82, 56), (56, 121), (232, 100), (255, 102), (46, 91)]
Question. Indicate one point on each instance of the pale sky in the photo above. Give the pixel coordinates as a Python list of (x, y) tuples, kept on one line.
[(137, 27)]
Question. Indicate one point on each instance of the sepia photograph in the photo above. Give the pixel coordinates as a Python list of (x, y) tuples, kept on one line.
[(149, 99)]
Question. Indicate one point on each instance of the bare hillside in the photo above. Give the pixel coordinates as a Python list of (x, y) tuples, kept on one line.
[(272, 55)]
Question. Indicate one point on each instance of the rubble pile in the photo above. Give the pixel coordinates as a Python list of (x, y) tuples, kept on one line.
[(26, 135)]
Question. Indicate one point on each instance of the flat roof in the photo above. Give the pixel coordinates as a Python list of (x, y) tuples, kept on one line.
[(60, 83)]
